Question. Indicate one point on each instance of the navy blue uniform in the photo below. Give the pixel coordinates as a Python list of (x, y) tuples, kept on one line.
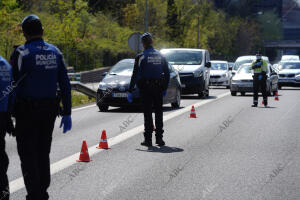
[(151, 74), (6, 90), (40, 69)]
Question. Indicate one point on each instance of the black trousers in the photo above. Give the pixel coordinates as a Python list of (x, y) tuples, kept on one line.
[(262, 85), (4, 185), (152, 97), (34, 127)]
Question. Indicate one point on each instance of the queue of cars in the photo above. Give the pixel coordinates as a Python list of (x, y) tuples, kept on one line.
[(191, 72)]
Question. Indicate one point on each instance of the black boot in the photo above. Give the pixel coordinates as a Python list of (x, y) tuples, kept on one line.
[(148, 140), (160, 142), (147, 143)]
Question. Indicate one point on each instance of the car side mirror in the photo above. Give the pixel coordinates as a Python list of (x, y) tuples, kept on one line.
[(230, 68), (105, 73), (208, 64)]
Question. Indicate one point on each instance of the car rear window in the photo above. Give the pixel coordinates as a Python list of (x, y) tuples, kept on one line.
[(183, 57)]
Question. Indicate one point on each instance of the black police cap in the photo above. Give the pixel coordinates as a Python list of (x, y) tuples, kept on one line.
[(147, 38), (32, 25)]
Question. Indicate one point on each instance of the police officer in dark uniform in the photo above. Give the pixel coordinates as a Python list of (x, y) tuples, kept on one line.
[(39, 67), (151, 75), (5, 119), (260, 69)]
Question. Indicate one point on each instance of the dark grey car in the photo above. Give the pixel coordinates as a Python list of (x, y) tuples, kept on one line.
[(113, 89)]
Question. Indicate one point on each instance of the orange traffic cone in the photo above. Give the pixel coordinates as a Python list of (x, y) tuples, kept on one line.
[(276, 96), (84, 154), (103, 141), (193, 113)]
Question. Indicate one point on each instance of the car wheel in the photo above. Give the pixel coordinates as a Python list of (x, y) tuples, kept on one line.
[(103, 108), (201, 94), (243, 93), (178, 100), (233, 93), (207, 93)]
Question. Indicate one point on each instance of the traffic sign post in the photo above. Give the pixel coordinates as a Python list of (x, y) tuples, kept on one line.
[(134, 42)]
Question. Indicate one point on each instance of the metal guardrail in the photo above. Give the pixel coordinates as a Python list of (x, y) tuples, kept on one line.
[(83, 89)]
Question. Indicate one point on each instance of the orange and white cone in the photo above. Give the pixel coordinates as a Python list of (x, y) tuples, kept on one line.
[(193, 113), (103, 141), (276, 96), (84, 154)]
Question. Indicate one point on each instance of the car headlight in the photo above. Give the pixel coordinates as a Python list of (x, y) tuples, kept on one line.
[(198, 73), (102, 86), (298, 77)]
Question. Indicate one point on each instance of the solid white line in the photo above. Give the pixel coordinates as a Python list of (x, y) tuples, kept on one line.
[(85, 107), (18, 184)]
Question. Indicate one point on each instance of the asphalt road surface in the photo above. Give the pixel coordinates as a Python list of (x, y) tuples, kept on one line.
[(230, 151)]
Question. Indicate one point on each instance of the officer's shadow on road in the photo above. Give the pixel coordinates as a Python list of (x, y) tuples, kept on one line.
[(197, 97), (268, 107), (163, 149)]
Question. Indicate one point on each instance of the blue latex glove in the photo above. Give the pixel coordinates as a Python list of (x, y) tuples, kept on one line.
[(260, 77), (164, 93), (66, 121), (129, 98), (259, 63)]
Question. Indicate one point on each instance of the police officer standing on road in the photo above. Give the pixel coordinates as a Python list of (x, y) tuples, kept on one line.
[(260, 68), (151, 75), (5, 122), (40, 66)]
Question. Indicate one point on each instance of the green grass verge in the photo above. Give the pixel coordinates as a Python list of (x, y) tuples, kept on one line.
[(81, 99)]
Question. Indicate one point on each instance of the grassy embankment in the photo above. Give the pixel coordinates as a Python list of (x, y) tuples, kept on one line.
[(81, 99)]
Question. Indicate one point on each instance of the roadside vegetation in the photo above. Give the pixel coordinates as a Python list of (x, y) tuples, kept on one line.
[(94, 33), (81, 99)]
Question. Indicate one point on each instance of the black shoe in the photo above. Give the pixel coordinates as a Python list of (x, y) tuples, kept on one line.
[(254, 105), (147, 143), (160, 142)]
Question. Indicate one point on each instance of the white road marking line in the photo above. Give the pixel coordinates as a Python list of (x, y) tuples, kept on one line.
[(85, 107), (18, 184)]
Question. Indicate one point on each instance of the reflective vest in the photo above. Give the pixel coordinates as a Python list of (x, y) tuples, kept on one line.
[(263, 67)]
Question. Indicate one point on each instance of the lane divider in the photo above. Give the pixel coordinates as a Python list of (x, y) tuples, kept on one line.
[(58, 166)]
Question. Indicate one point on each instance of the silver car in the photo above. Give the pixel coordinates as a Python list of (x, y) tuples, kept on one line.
[(243, 81), (289, 73), (219, 73)]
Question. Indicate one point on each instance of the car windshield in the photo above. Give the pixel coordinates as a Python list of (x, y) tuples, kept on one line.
[(290, 65), (245, 69), (181, 57), (239, 63), (218, 66), (122, 68)]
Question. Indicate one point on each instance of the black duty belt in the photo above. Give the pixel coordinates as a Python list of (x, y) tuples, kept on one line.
[(36, 102)]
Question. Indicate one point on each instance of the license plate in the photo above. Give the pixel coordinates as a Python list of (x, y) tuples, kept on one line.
[(120, 95), (183, 85)]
